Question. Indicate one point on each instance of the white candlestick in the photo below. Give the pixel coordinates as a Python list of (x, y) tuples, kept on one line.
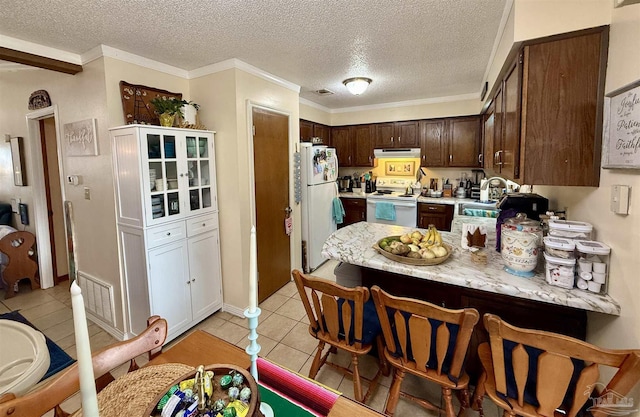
[(253, 271), (83, 349)]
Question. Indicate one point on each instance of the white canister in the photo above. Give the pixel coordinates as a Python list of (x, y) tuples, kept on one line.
[(519, 251)]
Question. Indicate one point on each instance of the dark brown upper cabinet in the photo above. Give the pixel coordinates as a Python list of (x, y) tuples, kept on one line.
[(452, 142), (309, 130), (354, 145), (397, 135), (547, 111), (341, 141)]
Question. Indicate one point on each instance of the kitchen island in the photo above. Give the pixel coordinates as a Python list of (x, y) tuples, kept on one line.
[(459, 282), (353, 245)]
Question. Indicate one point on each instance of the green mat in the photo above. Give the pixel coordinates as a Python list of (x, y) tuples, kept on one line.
[(282, 406)]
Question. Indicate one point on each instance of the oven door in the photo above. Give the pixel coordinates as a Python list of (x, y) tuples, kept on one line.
[(406, 212)]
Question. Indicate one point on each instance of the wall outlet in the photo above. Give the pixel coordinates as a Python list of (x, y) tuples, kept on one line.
[(87, 193)]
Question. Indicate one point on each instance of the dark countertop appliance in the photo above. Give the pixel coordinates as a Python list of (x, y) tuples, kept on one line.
[(532, 204), (344, 184)]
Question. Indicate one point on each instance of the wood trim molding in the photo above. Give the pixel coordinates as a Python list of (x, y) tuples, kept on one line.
[(39, 61)]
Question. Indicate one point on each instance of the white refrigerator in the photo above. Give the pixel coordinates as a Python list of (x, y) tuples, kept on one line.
[(319, 172)]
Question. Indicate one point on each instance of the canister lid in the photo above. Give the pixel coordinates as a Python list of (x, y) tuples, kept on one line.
[(591, 246), (559, 261), (570, 226), (559, 243), (521, 220)]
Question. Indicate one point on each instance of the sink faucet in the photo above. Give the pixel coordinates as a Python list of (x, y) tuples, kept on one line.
[(490, 180)]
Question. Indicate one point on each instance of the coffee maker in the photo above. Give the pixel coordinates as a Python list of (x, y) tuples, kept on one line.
[(344, 184)]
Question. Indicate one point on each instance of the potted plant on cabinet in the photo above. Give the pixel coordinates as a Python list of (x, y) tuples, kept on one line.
[(167, 108)]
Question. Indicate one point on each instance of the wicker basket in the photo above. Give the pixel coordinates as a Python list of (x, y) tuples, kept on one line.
[(219, 370), (411, 261)]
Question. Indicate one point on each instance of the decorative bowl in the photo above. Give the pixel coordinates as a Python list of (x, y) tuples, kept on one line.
[(411, 261)]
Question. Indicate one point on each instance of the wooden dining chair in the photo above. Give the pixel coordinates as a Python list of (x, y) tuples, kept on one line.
[(342, 318), (56, 391), (428, 341), (16, 246), (535, 373)]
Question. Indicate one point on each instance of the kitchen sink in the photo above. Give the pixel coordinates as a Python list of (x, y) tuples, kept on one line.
[(479, 209)]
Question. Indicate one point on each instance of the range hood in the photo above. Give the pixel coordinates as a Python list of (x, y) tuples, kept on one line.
[(397, 153)]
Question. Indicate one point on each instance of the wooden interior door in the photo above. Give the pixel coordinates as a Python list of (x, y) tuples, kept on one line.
[(55, 210), (271, 168)]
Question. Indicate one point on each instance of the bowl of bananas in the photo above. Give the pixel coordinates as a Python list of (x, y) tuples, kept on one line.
[(415, 248)]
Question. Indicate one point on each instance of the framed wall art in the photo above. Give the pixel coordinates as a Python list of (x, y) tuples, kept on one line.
[(399, 168), (80, 138), (621, 130), (136, 103)]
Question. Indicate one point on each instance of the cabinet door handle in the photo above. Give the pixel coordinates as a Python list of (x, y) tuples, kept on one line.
[(168, 233), (443, 304), (480, 158), (182, 175), (193, 280), (349, 159), (370, 159), (432, 208), (398, 139), (391, 139), (204, 224), (450, 158), (423, 158), (188, 282)]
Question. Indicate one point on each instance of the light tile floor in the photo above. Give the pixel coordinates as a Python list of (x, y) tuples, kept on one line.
[(282, 330)]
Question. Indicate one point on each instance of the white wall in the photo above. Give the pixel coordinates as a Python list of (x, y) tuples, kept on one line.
[(78, 97), (223, 97)]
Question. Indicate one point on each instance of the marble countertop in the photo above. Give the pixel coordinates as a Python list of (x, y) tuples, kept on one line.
[(353, 244)]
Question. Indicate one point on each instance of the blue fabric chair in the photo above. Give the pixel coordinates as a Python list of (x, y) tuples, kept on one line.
[(343, 318), (533, 373), (428, 341)]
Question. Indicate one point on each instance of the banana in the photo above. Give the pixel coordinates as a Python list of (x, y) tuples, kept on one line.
[(432, 238), (438, 238)]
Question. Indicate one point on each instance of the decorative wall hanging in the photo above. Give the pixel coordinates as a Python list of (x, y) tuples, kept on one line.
[(80, 138), (136, 103), (399, 168), (621, 142), (39, 100)]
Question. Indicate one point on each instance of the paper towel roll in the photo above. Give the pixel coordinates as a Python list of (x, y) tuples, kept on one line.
[(582, 284), (484, 193)]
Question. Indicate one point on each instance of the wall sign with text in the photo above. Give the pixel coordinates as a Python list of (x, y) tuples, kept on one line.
[(621, 145), (80, 138)]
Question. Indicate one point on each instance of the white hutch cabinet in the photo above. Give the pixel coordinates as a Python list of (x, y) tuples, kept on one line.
[(167, 220)]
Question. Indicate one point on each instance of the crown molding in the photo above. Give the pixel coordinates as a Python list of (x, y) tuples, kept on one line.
[(382, 106), (314, 105), (40, 50), (248, 68), (108, 51), (508, 6)]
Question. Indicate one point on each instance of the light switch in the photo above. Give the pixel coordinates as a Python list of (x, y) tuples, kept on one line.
[(87, 193), (14, 204), (620, 199)]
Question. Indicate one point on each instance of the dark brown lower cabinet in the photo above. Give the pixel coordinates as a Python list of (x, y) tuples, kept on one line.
[(355, 210), (439, 215), (517, 311)]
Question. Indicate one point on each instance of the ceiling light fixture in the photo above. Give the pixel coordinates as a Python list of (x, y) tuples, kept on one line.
[(357, 85)]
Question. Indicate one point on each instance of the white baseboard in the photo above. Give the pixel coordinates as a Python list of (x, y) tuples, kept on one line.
[(107, 328), (231, 309)]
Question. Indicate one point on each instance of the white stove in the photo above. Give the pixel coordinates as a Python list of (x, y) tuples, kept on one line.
[(390, 204)]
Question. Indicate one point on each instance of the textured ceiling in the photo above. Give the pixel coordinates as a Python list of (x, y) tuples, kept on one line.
[(412, 49)]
